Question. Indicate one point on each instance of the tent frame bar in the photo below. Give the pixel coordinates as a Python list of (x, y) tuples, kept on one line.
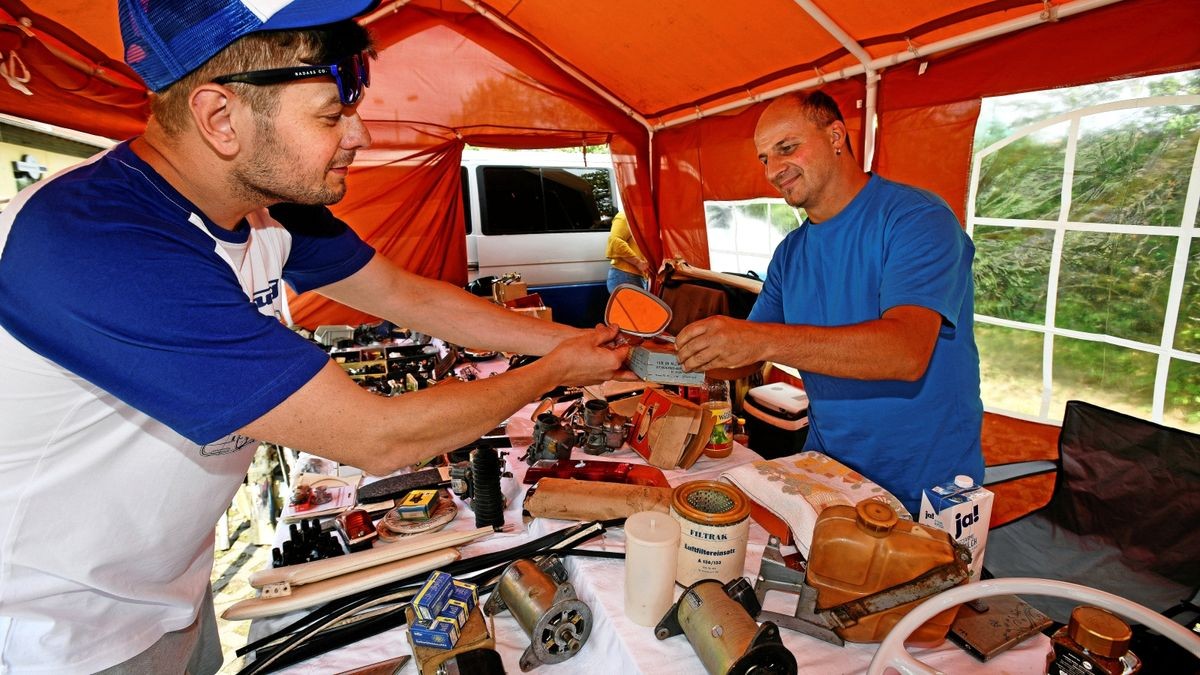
[(1050, 14), (855, 49)]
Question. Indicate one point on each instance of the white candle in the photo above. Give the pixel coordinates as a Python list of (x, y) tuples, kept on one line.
[(651, 547)]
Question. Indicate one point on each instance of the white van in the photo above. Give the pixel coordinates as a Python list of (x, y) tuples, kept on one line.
[(543, 214)]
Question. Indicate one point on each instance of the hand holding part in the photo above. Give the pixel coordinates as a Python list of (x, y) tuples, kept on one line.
[(717, 342), (589, 359)]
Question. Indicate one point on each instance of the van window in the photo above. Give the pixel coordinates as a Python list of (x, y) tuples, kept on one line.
[(533, 200)]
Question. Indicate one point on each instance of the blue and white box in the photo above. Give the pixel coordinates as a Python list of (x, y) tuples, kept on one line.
[(964, 510), (440, 634), (456, 611), (433, 595), (466, 593)]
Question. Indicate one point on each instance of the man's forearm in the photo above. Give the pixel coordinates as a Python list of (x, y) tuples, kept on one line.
[(873, 350), (895, 347)]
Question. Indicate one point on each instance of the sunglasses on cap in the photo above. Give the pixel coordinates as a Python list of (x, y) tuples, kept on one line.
[(351, 74)]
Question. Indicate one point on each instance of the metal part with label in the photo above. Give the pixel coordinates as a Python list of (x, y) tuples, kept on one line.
[(543, 601)]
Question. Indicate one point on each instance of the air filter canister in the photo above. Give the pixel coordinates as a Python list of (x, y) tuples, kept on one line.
[(714, 522)]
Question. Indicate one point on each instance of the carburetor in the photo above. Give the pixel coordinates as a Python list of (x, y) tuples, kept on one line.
[(593, 426)]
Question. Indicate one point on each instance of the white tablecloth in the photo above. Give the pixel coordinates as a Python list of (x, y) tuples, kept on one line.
[(616, 644)]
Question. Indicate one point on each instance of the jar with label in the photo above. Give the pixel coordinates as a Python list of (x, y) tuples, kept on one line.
[(720, 441), (1094, 642)]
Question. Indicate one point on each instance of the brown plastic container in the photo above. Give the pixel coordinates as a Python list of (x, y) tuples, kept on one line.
[(863, 549)]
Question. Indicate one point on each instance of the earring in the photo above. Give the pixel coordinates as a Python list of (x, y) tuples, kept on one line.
[(839, 152)]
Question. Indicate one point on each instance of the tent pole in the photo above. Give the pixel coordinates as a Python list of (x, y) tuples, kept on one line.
[(909, 54), (568, 68), (384, 9), (869, 126), (857, 51), (835, 30)]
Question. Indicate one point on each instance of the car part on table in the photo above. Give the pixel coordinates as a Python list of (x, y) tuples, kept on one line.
[(551, 439), (604, 430), (593, 500), (714, 521), (596, 469), (307, 573), (395, 487), (372, 612), (306, 542), (718, 622), (867, 568), (543, 601), (892, 655), (274, 602)]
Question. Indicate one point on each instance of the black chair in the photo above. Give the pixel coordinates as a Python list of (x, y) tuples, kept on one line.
[(1124, 517)]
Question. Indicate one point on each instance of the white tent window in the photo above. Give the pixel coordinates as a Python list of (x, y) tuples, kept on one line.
[(1088, 264), (742, 235)]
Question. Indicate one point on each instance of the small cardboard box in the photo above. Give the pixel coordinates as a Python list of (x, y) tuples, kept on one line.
[(669, 431), (502, 293), (441, 633), (654, 361), (964, 510), (433, 595)]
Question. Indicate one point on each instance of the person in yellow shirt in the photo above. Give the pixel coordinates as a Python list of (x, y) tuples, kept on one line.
[(628, 264)]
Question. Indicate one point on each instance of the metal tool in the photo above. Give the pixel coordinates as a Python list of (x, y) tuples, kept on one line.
[(787, 574)]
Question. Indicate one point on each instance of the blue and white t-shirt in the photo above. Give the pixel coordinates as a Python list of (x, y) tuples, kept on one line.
[(135, 337)]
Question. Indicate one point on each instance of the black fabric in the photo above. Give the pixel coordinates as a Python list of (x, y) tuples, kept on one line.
[(1135, 483), (1123, 518)]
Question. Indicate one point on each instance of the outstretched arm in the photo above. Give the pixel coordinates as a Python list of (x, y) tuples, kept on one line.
[(386, 290), (333, 417), (896, 346)]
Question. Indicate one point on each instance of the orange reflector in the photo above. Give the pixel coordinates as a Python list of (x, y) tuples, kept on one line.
[(635, 311)]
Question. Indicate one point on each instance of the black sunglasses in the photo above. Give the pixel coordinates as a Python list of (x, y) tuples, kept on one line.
[(351, 74)]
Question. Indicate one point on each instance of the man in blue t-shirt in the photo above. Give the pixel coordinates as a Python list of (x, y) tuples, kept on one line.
[(143, 344), (871, 299)]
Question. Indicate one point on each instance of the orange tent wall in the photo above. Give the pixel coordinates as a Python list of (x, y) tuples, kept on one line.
[(490, 90), (448, 76), (926, 121)]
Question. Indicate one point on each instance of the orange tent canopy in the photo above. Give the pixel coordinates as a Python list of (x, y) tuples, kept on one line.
[(674, 86)]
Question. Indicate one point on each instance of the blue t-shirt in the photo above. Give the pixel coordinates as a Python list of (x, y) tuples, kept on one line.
[(892, 245), (111, 273)]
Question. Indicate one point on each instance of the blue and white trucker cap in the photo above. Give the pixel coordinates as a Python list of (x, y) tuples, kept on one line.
[(167, 39)]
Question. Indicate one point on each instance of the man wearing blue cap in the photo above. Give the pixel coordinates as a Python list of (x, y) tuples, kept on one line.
[(143, 341)]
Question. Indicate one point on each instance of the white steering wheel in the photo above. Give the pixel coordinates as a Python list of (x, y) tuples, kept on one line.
[(892, 654)]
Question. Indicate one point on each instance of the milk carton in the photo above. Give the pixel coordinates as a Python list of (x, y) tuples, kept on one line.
[(964, 510)]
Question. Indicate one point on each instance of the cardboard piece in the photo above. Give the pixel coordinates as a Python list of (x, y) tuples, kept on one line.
[(536, 312), (512, 290), (669, 431), (531, 300), (655, 361)]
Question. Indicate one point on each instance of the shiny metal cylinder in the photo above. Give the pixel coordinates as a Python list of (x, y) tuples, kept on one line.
[(558, 624), (726, 638)]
